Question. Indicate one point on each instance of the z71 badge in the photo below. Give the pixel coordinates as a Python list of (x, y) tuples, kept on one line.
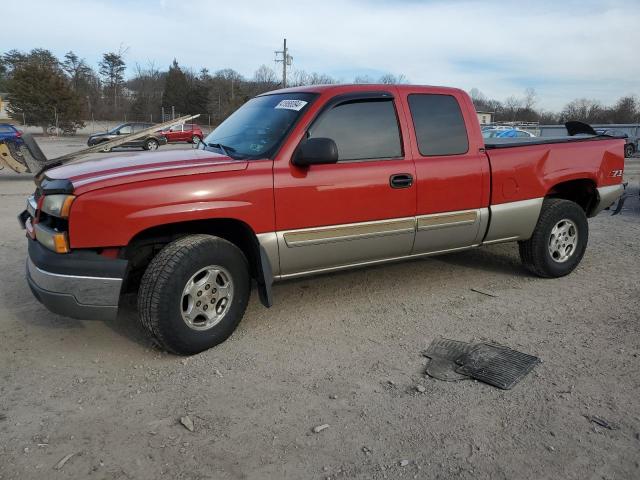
[(616, 173)]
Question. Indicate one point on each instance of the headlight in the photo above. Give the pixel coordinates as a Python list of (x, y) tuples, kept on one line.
[(57, 205)]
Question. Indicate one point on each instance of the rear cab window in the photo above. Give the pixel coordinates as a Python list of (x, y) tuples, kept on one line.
[(439, 124), (364, 129)]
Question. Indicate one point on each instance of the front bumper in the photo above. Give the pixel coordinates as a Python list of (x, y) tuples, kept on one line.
[(79, 284)]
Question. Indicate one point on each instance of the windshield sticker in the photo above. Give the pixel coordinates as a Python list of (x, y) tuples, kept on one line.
[(296, 105)]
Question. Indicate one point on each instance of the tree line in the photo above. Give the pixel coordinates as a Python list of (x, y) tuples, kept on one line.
[(44, 90), (523, 109)]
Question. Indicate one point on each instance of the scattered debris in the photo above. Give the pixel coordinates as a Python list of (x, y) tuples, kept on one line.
[(366, 450), (403, 463), (602, 422), (333, 397), (420, 389), (484, 292), (493, 364), (551, 448), (217, 372), (320, 428), (187, 423), (64, 460)]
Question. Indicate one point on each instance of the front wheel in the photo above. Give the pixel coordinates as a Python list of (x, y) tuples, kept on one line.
[(196, 139), (194, 293), (151, 144), (559, 240)]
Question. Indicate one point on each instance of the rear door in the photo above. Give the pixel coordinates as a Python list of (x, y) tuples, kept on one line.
[(452, 171), (358, 210)]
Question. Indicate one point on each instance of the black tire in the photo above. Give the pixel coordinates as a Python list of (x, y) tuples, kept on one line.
[(196, 139), (160, 295), (535, 254), (629, 150), (151, 144)]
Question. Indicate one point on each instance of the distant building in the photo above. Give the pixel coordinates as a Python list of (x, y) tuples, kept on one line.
[(485, 117), (3, 106)]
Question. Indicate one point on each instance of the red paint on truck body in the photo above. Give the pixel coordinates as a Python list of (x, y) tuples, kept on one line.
[(120, 197)]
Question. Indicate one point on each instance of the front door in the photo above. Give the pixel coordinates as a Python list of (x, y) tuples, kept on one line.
[(358, 210)]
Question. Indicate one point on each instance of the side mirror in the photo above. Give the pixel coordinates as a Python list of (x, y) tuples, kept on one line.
[(316, 151)]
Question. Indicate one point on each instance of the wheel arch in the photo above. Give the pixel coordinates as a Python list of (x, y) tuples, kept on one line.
[(147, 243), (582, 191)]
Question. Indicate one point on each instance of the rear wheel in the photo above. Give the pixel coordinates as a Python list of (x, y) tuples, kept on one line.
[(151, 144), (629, 150), (194, 293), (559, 240)]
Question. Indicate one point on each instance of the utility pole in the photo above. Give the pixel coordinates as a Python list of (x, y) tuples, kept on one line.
[(286, 60)]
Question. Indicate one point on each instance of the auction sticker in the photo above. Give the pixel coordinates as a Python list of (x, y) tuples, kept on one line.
[(296, 105)]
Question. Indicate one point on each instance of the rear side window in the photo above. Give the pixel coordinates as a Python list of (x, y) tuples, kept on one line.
[(440, 128), (5, 129), (362, 130)]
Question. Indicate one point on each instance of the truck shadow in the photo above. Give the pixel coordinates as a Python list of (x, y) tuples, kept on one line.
[(497, 259)]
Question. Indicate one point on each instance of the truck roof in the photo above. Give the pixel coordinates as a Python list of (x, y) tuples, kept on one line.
[(358, 87)]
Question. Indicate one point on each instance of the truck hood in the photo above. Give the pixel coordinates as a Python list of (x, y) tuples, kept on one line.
[(93, 173)]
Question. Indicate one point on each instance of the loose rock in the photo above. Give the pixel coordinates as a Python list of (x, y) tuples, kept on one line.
[(403, 463), (319, 428), (420, 388), (187, 423)]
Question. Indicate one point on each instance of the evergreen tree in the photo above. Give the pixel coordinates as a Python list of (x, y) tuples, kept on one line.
[(176, 90), (39, 90), (112, 69)]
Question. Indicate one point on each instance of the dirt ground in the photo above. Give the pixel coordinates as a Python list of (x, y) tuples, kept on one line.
[(343, 350)]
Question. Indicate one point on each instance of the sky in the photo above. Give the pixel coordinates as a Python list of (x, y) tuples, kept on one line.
[(563, 49)]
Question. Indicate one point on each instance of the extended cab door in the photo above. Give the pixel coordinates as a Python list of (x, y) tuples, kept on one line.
[(358, 210), (452, 170)]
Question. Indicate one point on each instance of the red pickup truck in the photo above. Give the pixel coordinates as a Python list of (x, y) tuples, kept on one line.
[(299, 182)]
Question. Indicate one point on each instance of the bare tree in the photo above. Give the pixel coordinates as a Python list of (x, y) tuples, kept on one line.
[(391, 79), (530, 98), (265, 76)]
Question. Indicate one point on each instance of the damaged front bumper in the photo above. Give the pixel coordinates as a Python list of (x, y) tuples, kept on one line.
[(81, 284)]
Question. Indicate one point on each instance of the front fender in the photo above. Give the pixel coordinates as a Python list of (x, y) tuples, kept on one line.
[(112, 216)]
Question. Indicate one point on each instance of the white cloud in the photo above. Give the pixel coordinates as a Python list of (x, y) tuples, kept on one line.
[(563, 49)]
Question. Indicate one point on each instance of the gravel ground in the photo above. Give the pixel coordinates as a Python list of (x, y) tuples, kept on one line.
[(342, 350)]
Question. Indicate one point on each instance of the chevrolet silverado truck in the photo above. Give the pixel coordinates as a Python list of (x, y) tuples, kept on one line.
[(299, 182)]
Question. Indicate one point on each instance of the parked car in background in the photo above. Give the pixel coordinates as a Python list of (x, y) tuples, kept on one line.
[(506, 133), (629, 146), (189, 132), (9, 132), (150, 142)]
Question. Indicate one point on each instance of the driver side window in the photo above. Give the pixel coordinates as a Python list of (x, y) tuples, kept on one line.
[(126, 130), (362, 130)]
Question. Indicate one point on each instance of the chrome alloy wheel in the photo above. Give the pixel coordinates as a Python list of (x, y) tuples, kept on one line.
[(206, 298), (563, 240)]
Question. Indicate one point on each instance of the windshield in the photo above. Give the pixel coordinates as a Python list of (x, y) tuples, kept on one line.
[(257, 128)]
